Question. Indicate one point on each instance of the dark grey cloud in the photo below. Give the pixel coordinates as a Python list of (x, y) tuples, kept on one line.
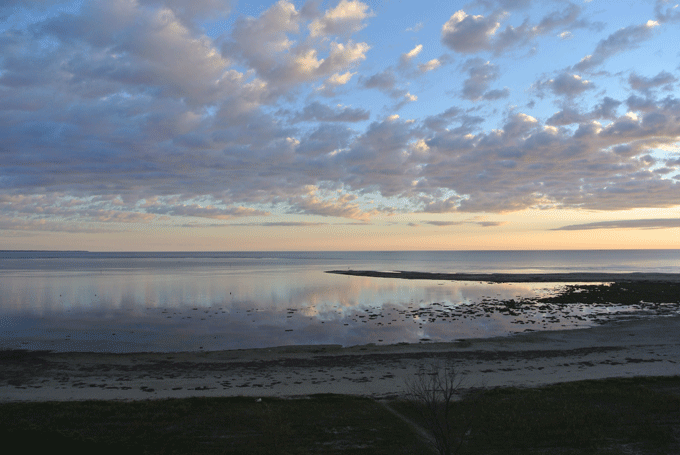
[(506, 5), (569, 115), (565, 84), (324, 139), (385, 81), (282, 224), (458, 223), (481, 74), (467, 33), (622, 40), (496, 94), (557, 19), (440, 121), (638, 103), (644, 85), (606, 109), (324, 113), (666, 11), (657, 223), (569, 85)]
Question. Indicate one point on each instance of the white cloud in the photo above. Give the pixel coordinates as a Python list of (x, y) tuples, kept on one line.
[(340, 79), (346, 18)]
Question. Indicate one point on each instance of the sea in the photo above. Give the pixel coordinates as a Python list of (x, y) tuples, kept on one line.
[(191, 301)]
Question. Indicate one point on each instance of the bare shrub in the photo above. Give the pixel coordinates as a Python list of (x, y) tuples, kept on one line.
[(433, 390)]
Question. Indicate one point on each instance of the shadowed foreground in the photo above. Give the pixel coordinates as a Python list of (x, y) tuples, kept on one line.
[(638, 415)]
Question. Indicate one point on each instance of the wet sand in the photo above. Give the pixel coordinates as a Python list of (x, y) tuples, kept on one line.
[(635, 347)]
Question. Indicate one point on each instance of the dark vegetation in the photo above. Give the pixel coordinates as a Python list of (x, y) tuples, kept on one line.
[(613, 416), (622, 293), (320, 424), (637, 415), (432, 392)]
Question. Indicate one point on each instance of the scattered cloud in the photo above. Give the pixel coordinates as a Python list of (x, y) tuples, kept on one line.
[(429, 65), (645, 85), (566, 84), (343, 206), (416, 28), (658, 223), (346, 18), (622, 40), (458, 223), (412, 53), (480, 75), (322, 113), (131, 112), (469, 34)]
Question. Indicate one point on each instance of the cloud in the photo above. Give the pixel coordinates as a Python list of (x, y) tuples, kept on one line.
[(565, 84), (347, 17), (131, 114), (265, 44), (644, 85), (323, 113), (669, 14), (458, 223), (386, 82), (412, 53), (480, 75), (212, 212), (157, 50), (343, 206), (658, 223), (285, 224), (429, 65), (469, 34), (465, 33), (569, 115), (558, 19), (416, 28), (622, 40)]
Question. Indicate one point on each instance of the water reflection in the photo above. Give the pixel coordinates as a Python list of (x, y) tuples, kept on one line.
[(173, 309)]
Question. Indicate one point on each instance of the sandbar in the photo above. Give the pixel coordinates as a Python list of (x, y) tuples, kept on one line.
[(571, 277)]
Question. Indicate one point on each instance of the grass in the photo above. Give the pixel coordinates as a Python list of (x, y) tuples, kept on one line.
[(586, 417), (637, 415), (321, 424)]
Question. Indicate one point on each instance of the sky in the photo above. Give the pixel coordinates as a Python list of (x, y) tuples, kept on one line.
[(140, 125)]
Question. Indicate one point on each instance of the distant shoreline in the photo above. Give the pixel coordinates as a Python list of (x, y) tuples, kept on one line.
[(572, 277)]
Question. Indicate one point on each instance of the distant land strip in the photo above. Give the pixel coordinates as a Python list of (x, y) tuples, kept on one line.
[(573, 277)]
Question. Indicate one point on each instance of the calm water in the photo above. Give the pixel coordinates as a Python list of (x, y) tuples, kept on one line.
[(124, 302)]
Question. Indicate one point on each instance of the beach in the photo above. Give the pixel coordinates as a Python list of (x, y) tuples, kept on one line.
[(609, 325), (624, 348)]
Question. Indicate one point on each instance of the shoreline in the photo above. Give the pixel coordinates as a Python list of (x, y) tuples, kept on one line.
[(637, 347), (567, 277)]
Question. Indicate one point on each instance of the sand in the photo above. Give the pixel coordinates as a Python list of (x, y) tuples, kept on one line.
[(636, 347)]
